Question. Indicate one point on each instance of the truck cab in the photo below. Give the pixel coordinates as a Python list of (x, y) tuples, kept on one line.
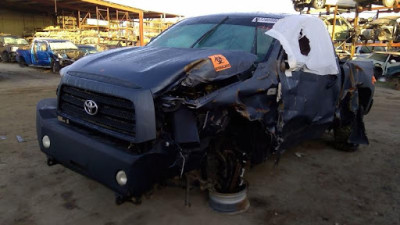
[(213, 94), (40, 54)]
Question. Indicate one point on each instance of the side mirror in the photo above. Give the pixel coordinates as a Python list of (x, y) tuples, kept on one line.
[(393, 61)]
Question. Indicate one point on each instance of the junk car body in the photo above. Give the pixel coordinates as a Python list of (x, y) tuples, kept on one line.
[(319, 4), (386, 66), (212, 93), (382, 29), (367, 51), (343, 29), (49, 53), (9, 45)]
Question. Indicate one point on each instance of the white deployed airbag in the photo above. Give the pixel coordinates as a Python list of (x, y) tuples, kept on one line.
[(307, 44)]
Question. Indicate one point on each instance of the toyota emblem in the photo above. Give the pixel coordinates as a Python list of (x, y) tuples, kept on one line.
[(91, 107)]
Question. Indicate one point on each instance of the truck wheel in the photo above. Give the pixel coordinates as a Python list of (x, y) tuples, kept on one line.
[(388, 3), (298, 8), (378, 72), (342, 135), (397, 84), (396, 81), (226, 166), (55, 67), (21, 62), (5, 57), (318, 4)]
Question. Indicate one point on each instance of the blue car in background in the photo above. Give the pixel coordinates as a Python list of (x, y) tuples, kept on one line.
[(386, 66), (49, 53)]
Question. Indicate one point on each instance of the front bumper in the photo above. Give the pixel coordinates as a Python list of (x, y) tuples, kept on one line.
[(66, 62), (97, 157)]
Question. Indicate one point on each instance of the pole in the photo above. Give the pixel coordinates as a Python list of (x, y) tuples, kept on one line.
[(79, 19), (334, 23), (355, 38), (98, 26), (55, 7), (141, 30)]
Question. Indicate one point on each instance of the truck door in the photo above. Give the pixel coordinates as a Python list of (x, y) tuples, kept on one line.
[(42, 54), (34, 50), (307, 104)]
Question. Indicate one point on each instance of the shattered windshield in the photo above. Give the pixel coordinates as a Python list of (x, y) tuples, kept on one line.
[(62, 45), (15, 41), (231, 35)]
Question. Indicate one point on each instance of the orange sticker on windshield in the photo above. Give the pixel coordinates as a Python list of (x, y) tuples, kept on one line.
[(219, 62)]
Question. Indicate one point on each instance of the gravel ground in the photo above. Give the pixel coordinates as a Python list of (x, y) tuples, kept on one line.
[(323, 186)]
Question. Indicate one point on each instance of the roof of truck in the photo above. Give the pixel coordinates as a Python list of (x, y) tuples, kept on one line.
[(244, 15), (49, 40)]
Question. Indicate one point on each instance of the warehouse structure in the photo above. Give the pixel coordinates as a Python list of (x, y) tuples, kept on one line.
[(20, 17)]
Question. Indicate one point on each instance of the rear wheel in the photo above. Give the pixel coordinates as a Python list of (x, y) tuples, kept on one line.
[(395, 79), (342, 135), (5, 57), (397, 83), (318, 4), (298, 8), (378, 72), (21, 62), (55, 67)]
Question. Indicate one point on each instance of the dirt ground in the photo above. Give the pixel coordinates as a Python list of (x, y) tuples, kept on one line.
[(323, 186)]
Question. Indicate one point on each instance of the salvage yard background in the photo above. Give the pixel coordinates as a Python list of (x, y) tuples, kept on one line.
[(313, 183)]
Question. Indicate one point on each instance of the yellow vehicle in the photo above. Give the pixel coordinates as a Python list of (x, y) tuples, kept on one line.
[(343, 28)]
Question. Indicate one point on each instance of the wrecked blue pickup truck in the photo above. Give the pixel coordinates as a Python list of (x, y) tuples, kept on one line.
[(49, 53), (212, 94)]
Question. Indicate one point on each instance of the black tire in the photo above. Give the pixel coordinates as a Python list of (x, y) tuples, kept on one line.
[(318, 4), (378, 72), (5, 57), (298, 8), (397, 83), (342, 135), (21, 62), (55, 67), (388, 3), (223, 166), (395, 79)]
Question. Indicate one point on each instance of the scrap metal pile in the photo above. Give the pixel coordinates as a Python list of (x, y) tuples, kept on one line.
[(105, 36), (92, 37)]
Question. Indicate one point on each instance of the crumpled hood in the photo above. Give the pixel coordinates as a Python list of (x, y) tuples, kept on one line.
[(156, 68)]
